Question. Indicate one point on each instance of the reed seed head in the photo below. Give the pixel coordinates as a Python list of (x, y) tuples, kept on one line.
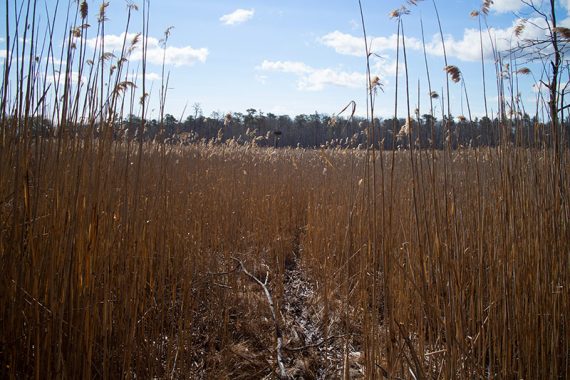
[(375, 82), (102, 11), (227, 119), (562, 31), (132, 6), (107, 56), (486, 6), (453, 72), (123, 86), (136, 39), (76, 32), (84, 9), (520, 27), (396, 13)]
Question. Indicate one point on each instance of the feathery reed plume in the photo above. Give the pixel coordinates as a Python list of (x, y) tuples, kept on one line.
[(454, 73), (136, 39), (523, 71), (520, 27), (434, 95), (84, 9), (227, 119), (134, 43), (486, 6), (103, 11), (124, 85), (76, 32), (564, 32), (166, 34), (375, 83), (106, 56), (474, 13), (407, 128), (132, 6), (399, 12)]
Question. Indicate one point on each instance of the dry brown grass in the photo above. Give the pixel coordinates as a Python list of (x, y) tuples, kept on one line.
[(119, 257), (480, 277), (97, 283)]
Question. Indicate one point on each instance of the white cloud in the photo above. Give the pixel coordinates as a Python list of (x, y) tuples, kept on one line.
[(386, 68), (348, 44), (176, 56), (57, 78), (112, 42), (238, 16), (54, 62), (381, 44), (565, 23), (313, 79), (286, 67), (320, 78), (464, 48), (467, 48), (504, 6), (343, 43), (153, 76)]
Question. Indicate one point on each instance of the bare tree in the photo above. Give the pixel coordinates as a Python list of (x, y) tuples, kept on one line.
[(549, 50), (197, 107)]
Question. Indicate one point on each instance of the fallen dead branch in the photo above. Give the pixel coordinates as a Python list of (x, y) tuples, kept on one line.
[(333, 337), (278, 333)]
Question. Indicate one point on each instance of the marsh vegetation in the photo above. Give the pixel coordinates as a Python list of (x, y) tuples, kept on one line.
[(137, 257)]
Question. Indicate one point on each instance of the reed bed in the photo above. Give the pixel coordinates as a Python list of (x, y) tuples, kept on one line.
[(97, 285), (128, 258), (472, 290)]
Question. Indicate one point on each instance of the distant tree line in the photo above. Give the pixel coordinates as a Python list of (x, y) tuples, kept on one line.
[(319, 130)]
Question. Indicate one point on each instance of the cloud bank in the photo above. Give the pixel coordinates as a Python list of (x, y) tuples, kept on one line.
[(172, 55), (464, 47), (505, 6), (238, 16), (313, 79)]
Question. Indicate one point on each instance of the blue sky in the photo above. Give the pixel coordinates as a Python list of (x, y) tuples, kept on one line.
[(292, 57)]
